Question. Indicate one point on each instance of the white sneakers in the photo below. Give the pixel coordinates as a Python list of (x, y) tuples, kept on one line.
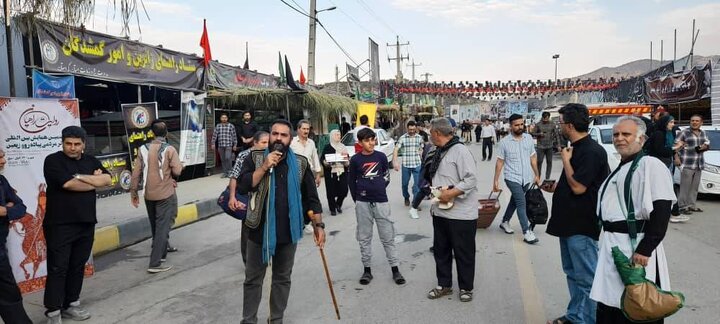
[(414, 213), (529, 237), (679, 219), (309, 229), (506, 227)]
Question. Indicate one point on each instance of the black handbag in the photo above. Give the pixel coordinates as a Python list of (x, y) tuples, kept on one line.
[(536, 206)]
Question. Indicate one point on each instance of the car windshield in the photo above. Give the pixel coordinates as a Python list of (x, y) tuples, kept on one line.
[(606, 135), (714, 138), (348, 139)]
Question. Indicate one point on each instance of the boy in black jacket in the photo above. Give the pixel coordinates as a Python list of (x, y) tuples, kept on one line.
[(367, 177)]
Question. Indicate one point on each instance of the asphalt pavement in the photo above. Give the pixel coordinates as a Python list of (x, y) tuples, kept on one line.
[(514, 282)]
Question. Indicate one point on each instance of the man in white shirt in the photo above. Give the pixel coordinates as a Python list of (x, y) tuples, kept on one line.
[(489, 137), (303, 145)]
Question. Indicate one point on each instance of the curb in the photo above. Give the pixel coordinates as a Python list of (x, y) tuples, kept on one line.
[(115, 237)]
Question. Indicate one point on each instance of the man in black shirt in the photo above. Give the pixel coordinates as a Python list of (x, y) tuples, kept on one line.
[(574, 219), (248, 128), (282, 189), (344, 126), (69, 224)]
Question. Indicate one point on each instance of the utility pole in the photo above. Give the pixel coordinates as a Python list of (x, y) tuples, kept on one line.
[(398, 59), (413, 65), (337, 79), (427, 76), (8, 41), (651, 62), (311, 40), (675, 50), (662, 52)]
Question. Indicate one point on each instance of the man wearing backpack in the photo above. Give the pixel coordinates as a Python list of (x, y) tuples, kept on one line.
[(159, 164), (574, 220)]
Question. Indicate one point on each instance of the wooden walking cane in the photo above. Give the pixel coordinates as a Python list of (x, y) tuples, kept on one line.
[(327, 274)]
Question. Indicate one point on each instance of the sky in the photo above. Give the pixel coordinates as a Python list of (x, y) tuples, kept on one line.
[(453, 40)]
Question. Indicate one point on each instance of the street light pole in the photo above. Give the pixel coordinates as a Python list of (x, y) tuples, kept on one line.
[(8, 41), (556, 57), (311, 40)]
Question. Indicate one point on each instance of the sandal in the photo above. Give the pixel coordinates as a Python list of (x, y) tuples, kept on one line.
[(695, 209), (438, 292), (366, 278), (466, 295), (560, 320)]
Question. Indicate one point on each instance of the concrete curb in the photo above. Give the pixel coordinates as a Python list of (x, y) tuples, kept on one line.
[(118, 236)]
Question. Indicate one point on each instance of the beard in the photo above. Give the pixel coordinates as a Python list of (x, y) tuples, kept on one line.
[(518, 131), (279, 146)]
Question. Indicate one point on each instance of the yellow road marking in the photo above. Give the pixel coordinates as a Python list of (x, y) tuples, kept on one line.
[(186, 214), (106, 239), (532, 300)]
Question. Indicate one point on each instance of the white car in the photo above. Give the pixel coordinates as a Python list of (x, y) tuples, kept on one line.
[(603, 135), (710, 176), (384, 143)]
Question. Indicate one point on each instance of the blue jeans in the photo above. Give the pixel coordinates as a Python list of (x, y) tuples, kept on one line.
[(406, 172), (579, 255), (517, 201)]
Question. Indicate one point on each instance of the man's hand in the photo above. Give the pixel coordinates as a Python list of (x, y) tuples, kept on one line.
[(496, 186), (3, 211), (396, 166), (317, 180), (271, 160), (446, 195), (566, 154), (640, 259), (538, 182), (10, 205), (135, 201), (97, 172), (174, 182), (319, 237), (212, 147), (235, 204), (235, 149)]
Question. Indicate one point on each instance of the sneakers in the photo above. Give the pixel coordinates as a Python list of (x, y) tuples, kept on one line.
[(679, 219), (529, 237), (75, 312), (506, 227), (159, 269), (54, 317), (414, 213), (309, 229)]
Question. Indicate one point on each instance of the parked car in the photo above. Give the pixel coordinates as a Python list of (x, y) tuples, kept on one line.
[(384, 143), (710, 176), (603, 135)]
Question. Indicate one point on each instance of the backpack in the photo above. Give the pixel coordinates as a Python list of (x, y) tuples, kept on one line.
[(536, 206)]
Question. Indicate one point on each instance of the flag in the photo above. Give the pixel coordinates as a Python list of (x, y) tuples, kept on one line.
[(281, 70), (246, 66), (302, 77), (205, 44), (290, 80)]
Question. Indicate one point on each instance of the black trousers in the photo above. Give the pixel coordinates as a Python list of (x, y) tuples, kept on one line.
[(612, 315), (11, 304), (487, 144), (282, 265), (336, 189), (454, 238), (68, 249), (243, 241)]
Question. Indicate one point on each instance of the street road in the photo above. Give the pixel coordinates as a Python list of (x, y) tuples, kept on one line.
[(514, 283)]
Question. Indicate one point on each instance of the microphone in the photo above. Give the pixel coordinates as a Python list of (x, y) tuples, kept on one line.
[(276, 147)]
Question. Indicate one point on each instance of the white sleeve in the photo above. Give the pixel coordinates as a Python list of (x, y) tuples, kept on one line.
[(655, 182)]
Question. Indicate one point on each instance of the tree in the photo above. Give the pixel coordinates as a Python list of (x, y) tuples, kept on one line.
[(77, 12)]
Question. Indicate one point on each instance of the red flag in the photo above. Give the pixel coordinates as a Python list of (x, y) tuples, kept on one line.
[(302, 77), (205, 44)]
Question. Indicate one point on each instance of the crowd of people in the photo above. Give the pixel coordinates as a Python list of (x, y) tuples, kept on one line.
[(280, 174)]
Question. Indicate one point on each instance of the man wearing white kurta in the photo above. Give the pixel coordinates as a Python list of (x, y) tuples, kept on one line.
[(653, 196)]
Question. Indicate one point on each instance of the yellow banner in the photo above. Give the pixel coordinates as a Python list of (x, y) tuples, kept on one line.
[(369, 109)]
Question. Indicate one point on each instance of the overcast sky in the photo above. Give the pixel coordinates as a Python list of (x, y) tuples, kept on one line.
[(455, 40)]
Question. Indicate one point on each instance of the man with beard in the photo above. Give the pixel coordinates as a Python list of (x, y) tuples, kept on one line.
[(69, 225), (282, 189), (648, 184), (452, 169), (11, 208), (303, 145), (248, 128), (546, 133), (517, 161), (574, 220)]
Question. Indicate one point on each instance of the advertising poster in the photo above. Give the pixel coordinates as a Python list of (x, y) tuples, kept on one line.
[(30, 130), (117, 165), (192, 130), (138, 119), (49, 86)]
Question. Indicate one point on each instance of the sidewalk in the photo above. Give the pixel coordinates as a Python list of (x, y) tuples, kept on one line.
[(120, 225)]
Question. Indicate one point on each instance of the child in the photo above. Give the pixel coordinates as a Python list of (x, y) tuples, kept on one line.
[(367, 177)]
